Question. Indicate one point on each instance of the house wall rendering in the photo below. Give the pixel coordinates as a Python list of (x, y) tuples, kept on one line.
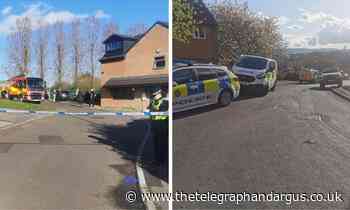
[(138, 61), (201, 50)]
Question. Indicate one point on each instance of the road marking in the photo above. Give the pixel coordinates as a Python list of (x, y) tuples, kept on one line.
[(4, 124), (22, 123), (141, 176)]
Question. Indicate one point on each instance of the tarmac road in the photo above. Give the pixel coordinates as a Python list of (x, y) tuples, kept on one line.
[(296, 139), (62, 162)]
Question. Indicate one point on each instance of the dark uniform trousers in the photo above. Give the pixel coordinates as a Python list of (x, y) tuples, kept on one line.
[(160, 133)]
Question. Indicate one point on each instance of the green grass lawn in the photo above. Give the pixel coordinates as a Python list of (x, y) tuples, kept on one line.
[(8, 104)]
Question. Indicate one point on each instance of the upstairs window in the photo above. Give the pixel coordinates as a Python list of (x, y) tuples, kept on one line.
[(159, 62), (199, 33), (114, 46)]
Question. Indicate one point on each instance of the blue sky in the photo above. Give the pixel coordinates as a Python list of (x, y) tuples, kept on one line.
[(123, 12)]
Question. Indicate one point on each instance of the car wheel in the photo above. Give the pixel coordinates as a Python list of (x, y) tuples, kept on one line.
[(225, 98), (263, 91)]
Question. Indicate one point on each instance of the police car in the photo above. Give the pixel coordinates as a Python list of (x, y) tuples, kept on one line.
[(197, 85), (257, 72)]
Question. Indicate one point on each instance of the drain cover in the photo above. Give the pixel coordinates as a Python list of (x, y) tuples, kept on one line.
[(4, 148), (50, 139)]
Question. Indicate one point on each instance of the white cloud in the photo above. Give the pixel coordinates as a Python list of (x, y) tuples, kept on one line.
[(43, 12), (295, 27), (323, 19), (282, 20), (297, 40), (101, 14), (317, 29), (6, 11)]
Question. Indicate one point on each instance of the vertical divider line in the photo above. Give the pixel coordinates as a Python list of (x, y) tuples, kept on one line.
[(170, 95)]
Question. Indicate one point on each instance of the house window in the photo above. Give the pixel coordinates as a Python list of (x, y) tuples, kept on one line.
[(123, 93), (159, 62), (199, 33), (113, 46)]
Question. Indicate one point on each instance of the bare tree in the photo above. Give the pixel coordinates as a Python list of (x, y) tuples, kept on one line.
[(14, 64), (41, 48), (77, 52), (109, 29), (59, 52), (93, 45), (19, 46), (137, 29)]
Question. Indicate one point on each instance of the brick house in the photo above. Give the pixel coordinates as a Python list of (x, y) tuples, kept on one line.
[(203, 45), (133, 67)]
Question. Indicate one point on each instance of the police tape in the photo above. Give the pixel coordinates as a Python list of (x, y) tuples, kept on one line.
[(147, 114)]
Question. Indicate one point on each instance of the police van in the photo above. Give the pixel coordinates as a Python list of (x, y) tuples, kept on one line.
[(197, 85), (257, 72)]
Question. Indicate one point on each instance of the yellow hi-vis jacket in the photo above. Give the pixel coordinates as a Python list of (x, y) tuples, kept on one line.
[(155, 107)]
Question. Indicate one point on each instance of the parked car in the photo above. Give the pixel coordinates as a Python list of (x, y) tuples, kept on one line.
[(84, 97), (63, 96), (201, 85), (257, 72), (331, 76)]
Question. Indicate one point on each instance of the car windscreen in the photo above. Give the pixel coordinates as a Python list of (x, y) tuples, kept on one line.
[(252, 63), (35, 83)]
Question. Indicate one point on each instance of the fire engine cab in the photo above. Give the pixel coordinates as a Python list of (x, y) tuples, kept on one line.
[(25, 89)]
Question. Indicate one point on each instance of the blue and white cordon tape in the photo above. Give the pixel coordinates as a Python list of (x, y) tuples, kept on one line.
[(147, 114)]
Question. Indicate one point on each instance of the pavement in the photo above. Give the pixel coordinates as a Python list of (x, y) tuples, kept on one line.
[(296, 139), (65, 162), (344, 91)]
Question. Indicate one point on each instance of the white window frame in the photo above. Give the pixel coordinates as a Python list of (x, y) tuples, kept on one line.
[(199, 33)]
